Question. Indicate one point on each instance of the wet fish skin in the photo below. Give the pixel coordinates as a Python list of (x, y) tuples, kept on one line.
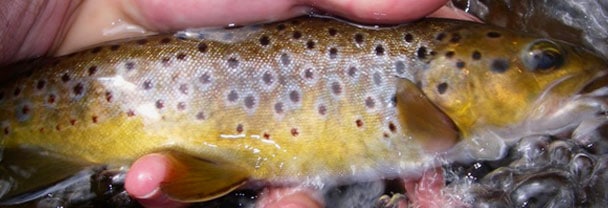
[(291, 101)]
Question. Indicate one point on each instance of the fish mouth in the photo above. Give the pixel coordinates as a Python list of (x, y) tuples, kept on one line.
[(597, 86)]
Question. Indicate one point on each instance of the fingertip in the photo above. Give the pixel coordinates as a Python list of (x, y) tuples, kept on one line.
[(288, 198), (385, 11), (144, 178)]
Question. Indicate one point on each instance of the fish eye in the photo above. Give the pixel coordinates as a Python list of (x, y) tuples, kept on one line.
[(542, 56)]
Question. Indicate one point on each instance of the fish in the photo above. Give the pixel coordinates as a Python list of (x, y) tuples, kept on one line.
[(309, 101)]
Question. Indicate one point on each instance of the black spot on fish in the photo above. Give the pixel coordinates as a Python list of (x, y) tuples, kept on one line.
[(94, 119), (166, 61), (65, 77), (200, 116), (114, 47), (264, 40), (310, 44), (239, 128), (499, 65), (96, 50), (370, 102), (180, 56), (160, 104), (285, 59), (441, 88), (455, 38), (294, 96), (476, 55), (295, 22), (359, 123), (460, 64), (379, 50), (359, 38), (377, 77), (6, 130), (17, 91), (280, 27), (267, 78), (449, 54), (249, 102), (392, 127), (322, 110), (332, 32), (202, 47), (181, 106), (40, 85), (183, 88), (294, 132), (129, 66), (352, 71), (92, 70), (399, 67), (336, 88), (130, 113), (233, 96), (165, 40), (233, 62), (333, 53), (408, 37), (142, 41), (394, 100), (78, 89), (493, 34), (440, 36), (308, 73), (147, 85), (296, 35), (109, 96), (205, 78), (278, 108), (2, 95), (421, 52)]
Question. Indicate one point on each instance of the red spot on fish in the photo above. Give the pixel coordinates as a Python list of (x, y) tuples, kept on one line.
[(41, 130), (73, 122), (25, 109), (266, 135), (239, 128), (294, 132), (51, 98), (58, 127), (359, 123), (94, 119)]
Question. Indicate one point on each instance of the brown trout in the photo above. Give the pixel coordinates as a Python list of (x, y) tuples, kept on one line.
[(306, 101)]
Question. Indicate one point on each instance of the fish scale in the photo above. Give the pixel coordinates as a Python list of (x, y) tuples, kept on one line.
[(295, 101)]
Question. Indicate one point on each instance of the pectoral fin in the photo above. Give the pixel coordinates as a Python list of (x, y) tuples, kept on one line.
[(424, 121), (195, 179), (29, 173)]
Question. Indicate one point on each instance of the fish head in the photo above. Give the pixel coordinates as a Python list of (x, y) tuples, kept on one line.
[(491, 81)]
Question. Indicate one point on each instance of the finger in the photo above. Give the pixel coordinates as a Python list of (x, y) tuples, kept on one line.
[(143, 180), (96, 18), (274, 197)]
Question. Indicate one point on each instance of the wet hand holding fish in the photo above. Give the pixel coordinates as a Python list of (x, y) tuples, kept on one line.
[(304, 101)]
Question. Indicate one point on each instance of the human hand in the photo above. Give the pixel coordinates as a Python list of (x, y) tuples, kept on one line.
[(39, 28)]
